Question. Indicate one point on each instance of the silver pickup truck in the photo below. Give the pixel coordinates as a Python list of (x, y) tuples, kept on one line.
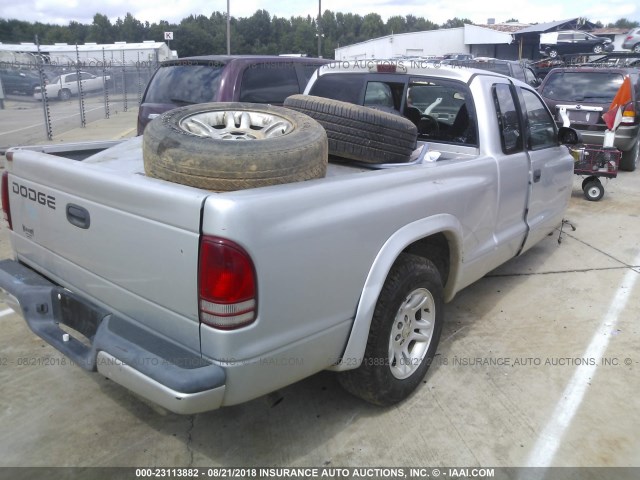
[(196, 299)]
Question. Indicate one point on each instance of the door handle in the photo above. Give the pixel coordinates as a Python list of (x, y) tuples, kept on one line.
[(78, 216), (536, 175)]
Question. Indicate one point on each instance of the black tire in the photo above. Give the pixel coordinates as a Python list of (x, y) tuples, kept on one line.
[(636, 48), (629, 160), (289, 147), (599, 48), (553, 53), (587, 180), (360, 133), (378, 379), (64, 95), (593, 190)]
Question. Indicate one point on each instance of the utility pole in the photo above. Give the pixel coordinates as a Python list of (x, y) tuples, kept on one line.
[(228, 30), (319, 29)]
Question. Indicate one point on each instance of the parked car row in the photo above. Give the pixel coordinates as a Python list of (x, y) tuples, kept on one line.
[(584, 92)]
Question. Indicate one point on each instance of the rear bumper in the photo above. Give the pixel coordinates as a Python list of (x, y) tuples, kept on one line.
[(136, 358), (625, 139)]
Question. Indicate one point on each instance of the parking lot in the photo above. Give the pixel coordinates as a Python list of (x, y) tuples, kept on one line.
[(537, 366)]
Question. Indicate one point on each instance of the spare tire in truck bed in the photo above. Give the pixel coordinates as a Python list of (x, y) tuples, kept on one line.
[(234, 146), (360, 133)]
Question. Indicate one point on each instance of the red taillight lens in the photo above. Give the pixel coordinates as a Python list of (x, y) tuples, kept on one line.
[(6, 210), (227, 284)]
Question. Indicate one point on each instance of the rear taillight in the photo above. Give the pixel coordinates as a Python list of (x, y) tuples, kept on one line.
[(227, 284), (6, 210), (629, 114)]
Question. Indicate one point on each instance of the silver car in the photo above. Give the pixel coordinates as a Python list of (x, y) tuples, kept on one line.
[(632, 40)]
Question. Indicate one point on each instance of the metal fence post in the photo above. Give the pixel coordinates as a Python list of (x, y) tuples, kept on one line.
[(83, 119), (43, 91)]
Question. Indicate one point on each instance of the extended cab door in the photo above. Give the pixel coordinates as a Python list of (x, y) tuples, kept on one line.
[(551, 168)]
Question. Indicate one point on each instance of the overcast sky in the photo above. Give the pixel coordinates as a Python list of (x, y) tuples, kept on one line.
[(438, 11)]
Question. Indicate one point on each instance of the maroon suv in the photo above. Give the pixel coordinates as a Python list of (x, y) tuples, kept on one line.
[(222, 78), (586, 93)]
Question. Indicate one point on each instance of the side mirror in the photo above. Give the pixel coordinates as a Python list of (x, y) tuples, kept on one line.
[(569, 136)]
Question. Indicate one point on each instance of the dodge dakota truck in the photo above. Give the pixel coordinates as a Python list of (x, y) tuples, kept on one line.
[(197, 297)]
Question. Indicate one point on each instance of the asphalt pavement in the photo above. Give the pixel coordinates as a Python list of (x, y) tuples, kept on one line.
[(22, 121)]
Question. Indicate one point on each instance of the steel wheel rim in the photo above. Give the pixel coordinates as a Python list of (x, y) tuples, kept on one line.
[(236, 125), (411, 333), (593, 192)]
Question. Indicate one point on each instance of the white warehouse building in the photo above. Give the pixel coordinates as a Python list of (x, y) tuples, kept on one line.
[(475, 39), (91, 54)]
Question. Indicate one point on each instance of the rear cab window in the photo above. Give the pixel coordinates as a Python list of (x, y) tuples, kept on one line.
[(439, 108)]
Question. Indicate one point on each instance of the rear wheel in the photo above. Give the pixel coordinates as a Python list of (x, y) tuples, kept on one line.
[(636, 48), (553, 53), (404, 334), (593, 190)]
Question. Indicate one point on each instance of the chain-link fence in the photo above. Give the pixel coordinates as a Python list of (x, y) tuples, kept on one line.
[(40, 100)]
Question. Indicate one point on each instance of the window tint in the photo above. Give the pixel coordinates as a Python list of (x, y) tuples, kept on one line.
[(307, 71), (597, 87), (269, 83), (343, 87), (530, 77), (507, 119), (378, 94), (184, 84), (445, 115), (541, 127)]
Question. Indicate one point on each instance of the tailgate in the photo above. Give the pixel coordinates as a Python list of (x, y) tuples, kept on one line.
[(103, 229)]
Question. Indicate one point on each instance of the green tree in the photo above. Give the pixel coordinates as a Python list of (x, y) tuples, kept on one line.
[(372, 26), (456, 22), (101, 30), (129, 29), (624, 23), (396, 24)]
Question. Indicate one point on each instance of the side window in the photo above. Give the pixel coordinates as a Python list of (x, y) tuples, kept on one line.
[(541, 127), (508, 121), (346, 88), (378, 94), (268, 83), (530, 77)]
